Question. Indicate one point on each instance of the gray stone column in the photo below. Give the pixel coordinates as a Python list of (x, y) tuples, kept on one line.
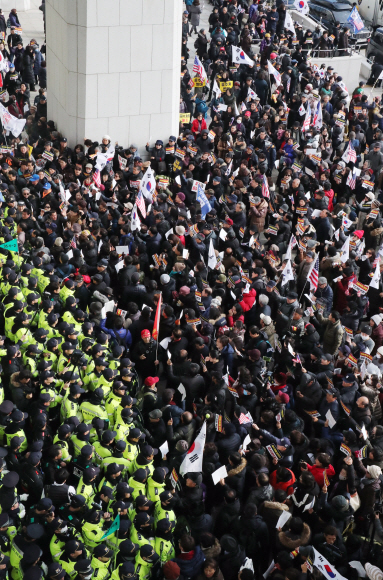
[(113, 67)]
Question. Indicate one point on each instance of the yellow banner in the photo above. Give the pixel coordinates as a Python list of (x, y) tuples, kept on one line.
[(184, 117), (224, 86)]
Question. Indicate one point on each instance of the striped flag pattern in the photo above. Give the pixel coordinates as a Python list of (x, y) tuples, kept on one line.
[(141, 204), (97, 178), (351, 180), (265, 187), (314, 275)]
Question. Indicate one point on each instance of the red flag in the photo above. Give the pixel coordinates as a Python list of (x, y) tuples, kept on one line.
[(156, 325)]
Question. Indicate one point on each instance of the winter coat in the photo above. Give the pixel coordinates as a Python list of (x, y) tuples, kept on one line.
[(333, 334), (287, 486), (228, 445), (373, 397), (271, 511), (341, 287), (258, 215), (227, 514), (195, 12), (27, 73), (271, 333), (317, 472), (253, 535), (190, 568), (236, 477), (290, 541), (231, 562)]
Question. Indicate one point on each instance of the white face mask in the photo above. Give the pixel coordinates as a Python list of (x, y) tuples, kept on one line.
[(64, 530), (342, 477), (365, 336)]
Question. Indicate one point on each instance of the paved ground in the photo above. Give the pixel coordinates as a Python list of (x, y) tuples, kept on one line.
[(33, 27)]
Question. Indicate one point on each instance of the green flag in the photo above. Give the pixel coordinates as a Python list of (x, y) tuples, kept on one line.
[(12, 246), (113, 528)]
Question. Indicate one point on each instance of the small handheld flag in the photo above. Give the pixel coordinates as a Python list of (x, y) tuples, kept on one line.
[(12, 246), (113, 528)]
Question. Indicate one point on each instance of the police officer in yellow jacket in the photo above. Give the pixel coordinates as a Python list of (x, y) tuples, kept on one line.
[(164, 544), (156, 483), (144, 459), (146, 562), (73, 552), (101, 562), (113, 400), (94, 529), (94, 407), (162, 509), (125, 571), (141, 531)]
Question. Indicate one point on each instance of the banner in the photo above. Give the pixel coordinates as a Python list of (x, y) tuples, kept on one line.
[(10, 123)]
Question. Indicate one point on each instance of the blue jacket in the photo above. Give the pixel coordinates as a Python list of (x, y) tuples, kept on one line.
[(190, 568), (227, 354), (122, 336)]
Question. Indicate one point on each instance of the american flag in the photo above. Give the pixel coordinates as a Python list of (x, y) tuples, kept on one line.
[(288, 84), (314, 275), (198, 68), (265, 187), (351, 153), (306, 122), (97, 178), (141, 204), (73, 243), (351, 180)]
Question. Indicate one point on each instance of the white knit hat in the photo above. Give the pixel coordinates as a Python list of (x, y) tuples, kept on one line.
[(373, 572), (374, 471)]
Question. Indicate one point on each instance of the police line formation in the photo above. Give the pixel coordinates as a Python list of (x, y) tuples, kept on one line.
[(192, 345)]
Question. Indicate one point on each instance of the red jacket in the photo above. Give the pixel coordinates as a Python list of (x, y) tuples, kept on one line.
[(341, 298), (318, 473), (231, 319), (196, 124), (248, 300), (287, 486)]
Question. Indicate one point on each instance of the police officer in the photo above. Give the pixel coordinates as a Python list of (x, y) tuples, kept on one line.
[(80, 438), (94, 407), (21, 541), (74, 511), (142, 530), (94, 528), (113, 400), (83, 462), (164, 543), (147, 560), (72, 553), (138, 482), (101, 561), (125, 571), (104, 448), (8, 494), (162, 509), (70, 406), (32, 479), (87, 484)]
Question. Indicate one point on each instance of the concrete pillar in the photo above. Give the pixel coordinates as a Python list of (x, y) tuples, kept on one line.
[(113, 68)]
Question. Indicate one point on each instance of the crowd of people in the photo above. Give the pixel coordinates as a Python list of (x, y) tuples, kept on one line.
[(192, 344)]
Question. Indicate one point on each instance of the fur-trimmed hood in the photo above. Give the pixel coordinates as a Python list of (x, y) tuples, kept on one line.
[(275, 505), (238, 469), (292, 541)]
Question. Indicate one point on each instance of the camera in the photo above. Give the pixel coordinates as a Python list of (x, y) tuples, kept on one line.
[(78, 358)]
